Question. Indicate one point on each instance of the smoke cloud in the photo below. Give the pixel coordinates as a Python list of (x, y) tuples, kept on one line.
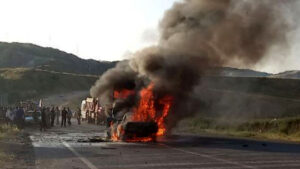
[(195, 36)]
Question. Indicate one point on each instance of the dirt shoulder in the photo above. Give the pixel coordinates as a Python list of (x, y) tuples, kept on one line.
[(16, 151)]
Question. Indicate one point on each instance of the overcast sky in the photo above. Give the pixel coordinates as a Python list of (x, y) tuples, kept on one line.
[(98, 29), (102, 29)]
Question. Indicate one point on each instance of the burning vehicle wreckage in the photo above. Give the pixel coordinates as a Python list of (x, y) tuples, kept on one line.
[(131, 116), (140, 122), (156, 87)]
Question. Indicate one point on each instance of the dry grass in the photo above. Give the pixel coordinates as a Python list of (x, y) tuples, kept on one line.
[(24, 84), (12, 73), (286, 129), (7, 132)]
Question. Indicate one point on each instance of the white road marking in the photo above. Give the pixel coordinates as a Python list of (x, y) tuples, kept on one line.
[(210, 157), (84, 160)]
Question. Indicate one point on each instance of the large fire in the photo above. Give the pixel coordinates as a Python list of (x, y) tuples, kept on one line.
[(123, 94), (149, 109)]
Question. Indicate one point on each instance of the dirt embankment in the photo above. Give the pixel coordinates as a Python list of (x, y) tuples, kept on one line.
[(16, 151)]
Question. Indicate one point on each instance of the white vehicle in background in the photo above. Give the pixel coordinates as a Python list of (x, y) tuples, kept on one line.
[(83, 109), (92, 111)]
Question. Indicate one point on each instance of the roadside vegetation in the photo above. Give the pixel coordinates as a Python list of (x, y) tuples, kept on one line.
[(8, 131), (19, 84), (267, 108), (277, 87), (7, 135), (287, 129)]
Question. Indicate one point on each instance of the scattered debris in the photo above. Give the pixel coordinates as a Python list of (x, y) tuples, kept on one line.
[(264, 144), (109, 148), (82, 141), (95, 139)]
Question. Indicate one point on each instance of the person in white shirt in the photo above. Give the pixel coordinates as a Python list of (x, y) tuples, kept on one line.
[(7, 116), (10, 115)]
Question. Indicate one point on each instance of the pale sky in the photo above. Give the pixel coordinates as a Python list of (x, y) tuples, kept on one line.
[(103, 29), (97, 29)]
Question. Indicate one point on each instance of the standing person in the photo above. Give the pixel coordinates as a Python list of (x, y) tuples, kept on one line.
[(69, 116), (57, 115), (78, 114), (64, 117), (43, 119), (15, 114), (11, 116), (52, 116), (7, 116), (20, 115), (48, 115)]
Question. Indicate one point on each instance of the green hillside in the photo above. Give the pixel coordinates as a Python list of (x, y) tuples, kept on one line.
[(18, 84), (247, 107), (278, 87), (13, 55)]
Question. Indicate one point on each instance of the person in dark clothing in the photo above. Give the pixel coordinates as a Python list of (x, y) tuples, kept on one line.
[(20, 116), (48, 117), (78, 116), (69, 116), (57, 115), (64, 117), (43, 119), (52, 116)]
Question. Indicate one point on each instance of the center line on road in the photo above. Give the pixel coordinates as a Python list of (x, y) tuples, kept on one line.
[(210, 157), (84, 160)]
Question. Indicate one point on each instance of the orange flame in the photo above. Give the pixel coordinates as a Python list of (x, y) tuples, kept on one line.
[(114, 136), (146, 111), (137, 139), (123, 94)]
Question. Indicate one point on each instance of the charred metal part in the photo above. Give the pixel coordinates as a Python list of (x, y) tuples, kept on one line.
[(95, 139), (134, 130)]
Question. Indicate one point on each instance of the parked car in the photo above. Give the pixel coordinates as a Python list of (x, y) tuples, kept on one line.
[(32, 116)]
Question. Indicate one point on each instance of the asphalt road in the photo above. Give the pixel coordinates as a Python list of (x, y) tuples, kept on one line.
[(58, 148)]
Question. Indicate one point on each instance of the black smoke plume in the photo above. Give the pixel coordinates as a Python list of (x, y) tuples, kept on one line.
[(195, 36)]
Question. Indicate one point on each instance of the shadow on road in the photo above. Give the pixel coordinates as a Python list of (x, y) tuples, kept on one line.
[(231, 143)]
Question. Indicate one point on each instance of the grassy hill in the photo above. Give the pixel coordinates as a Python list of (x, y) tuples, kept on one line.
[(243, 98), (28, 71), (293, 74), (278, 87), (247, 107), (18, 84), (234, 72), (14, 55)]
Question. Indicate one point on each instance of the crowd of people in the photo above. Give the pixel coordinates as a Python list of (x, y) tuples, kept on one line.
[(50, 115), (47, 117), (13, 115)]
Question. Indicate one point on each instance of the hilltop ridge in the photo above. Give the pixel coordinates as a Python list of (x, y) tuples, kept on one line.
[(13, 55)]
